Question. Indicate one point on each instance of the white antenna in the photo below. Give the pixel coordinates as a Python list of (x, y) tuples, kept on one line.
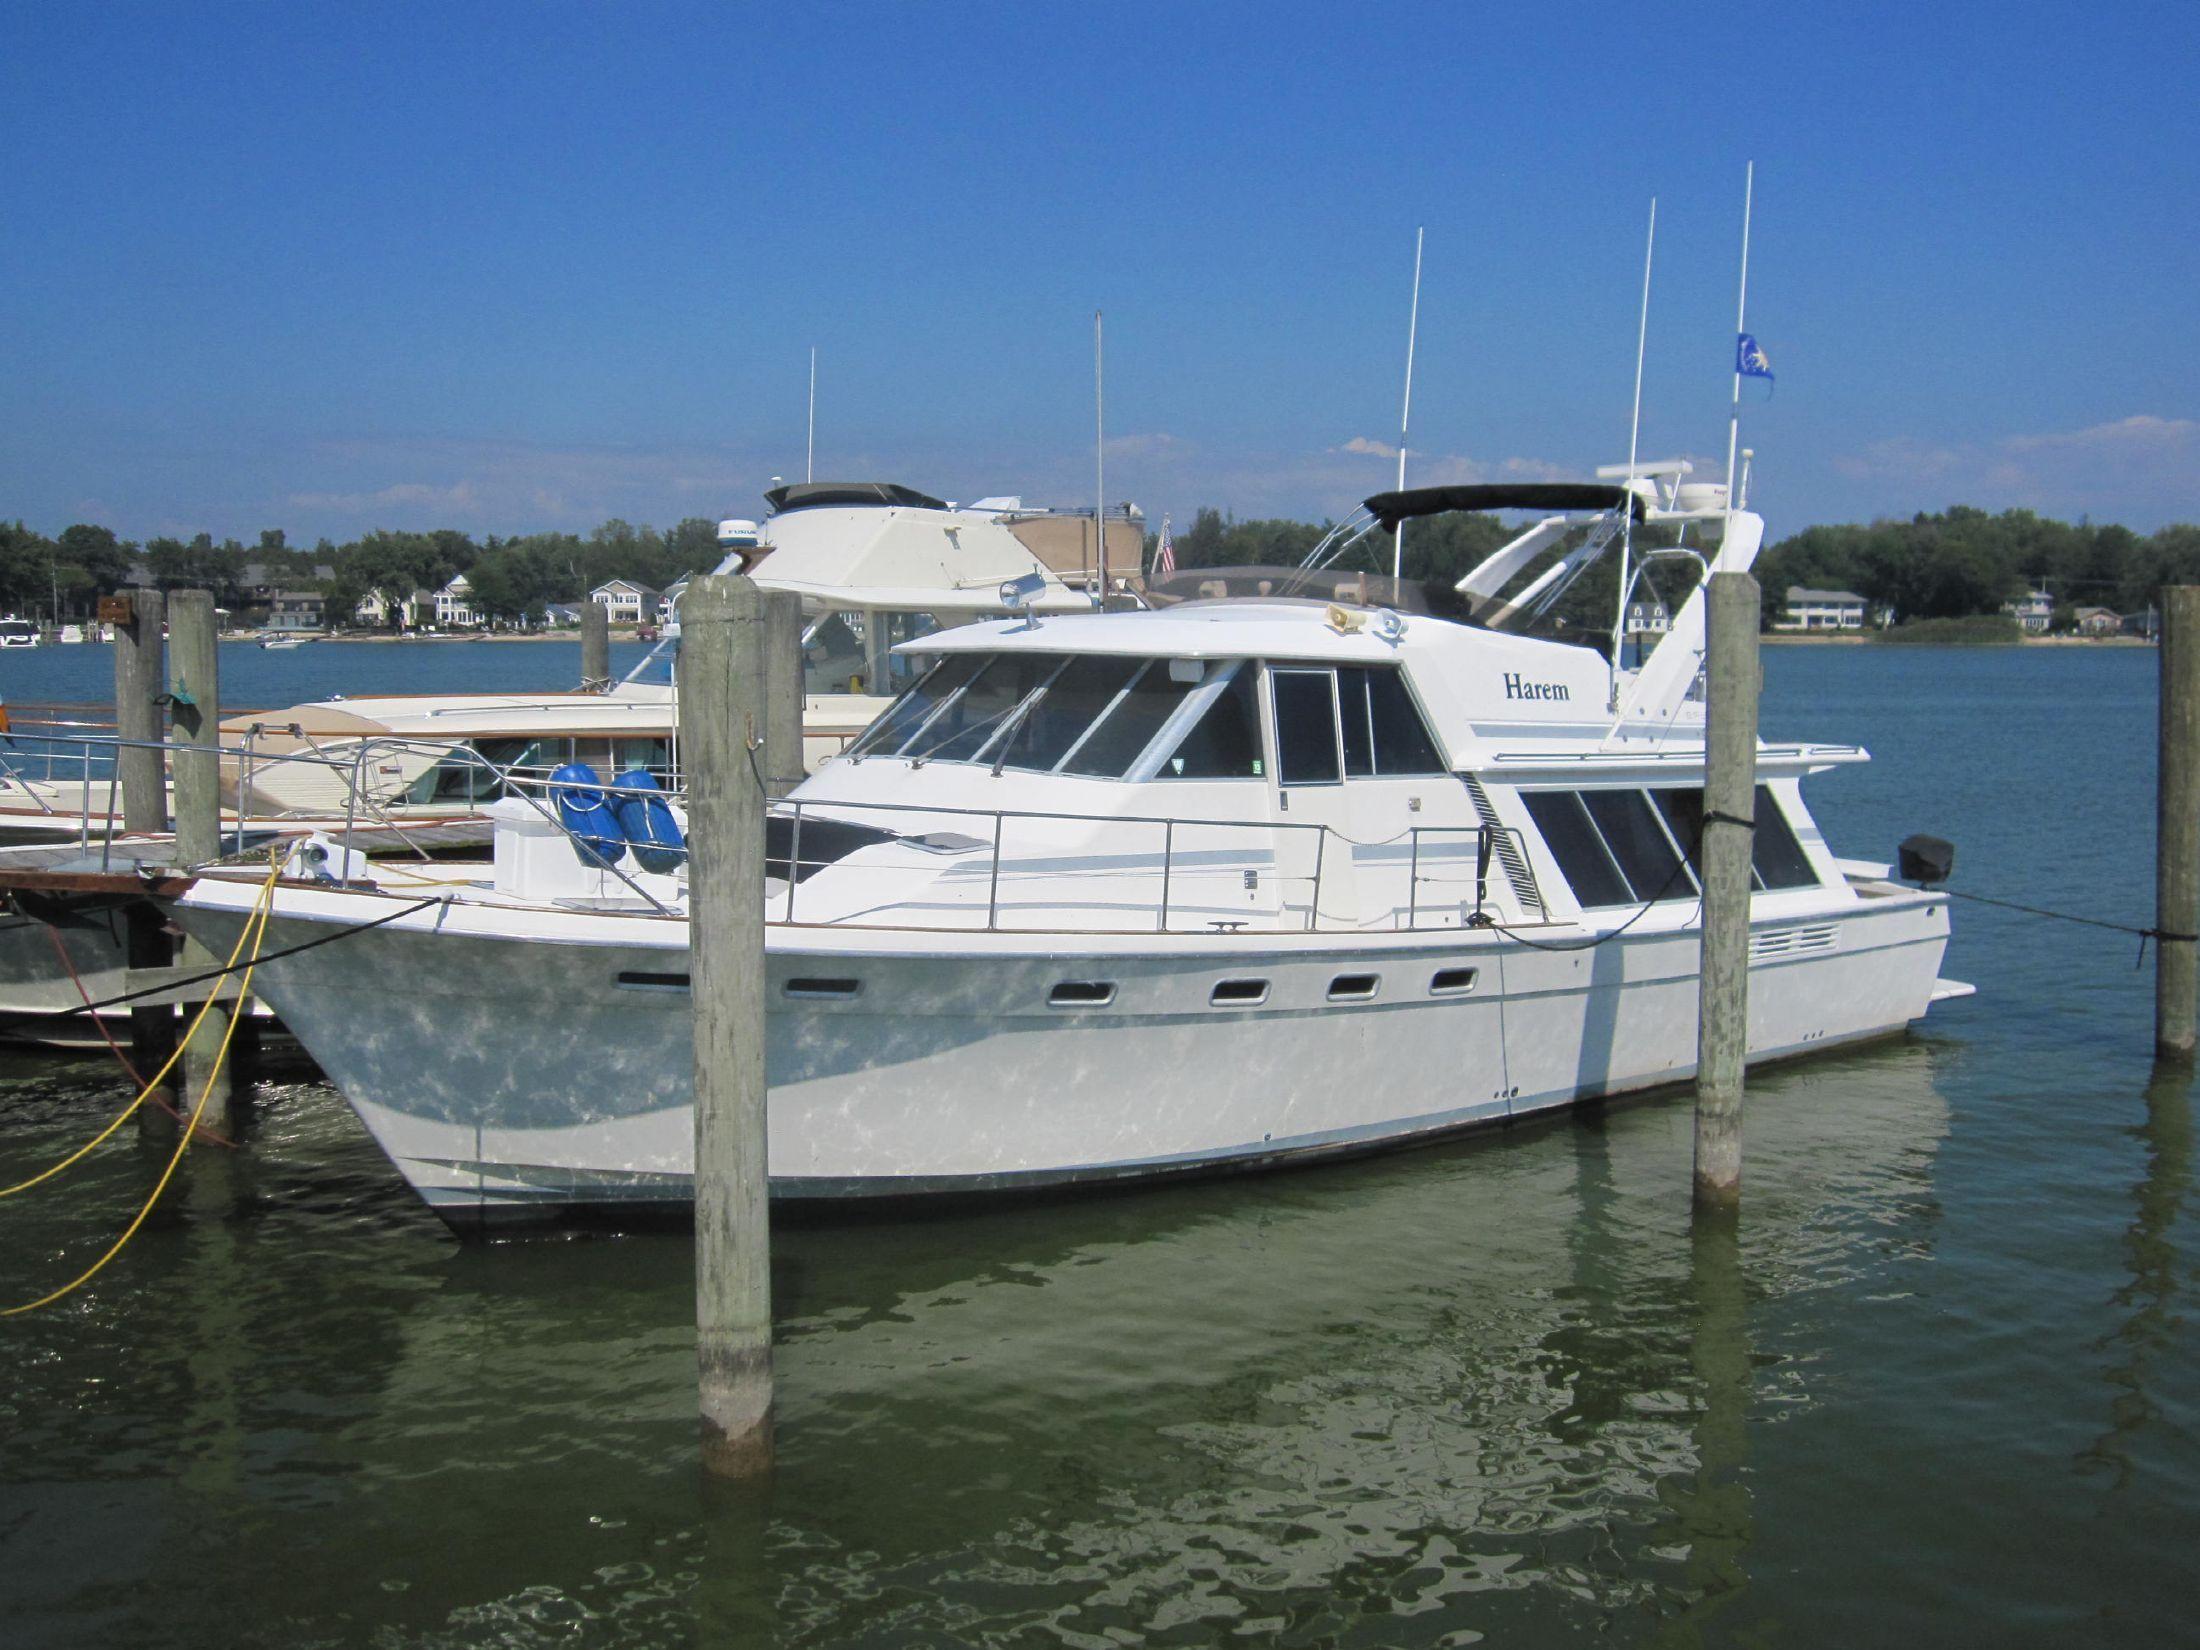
[(1634, 444), (1741, 325), (809, 461), (1405, 415), (1099, 458)]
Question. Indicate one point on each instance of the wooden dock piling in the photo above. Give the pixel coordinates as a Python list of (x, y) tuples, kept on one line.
[(722, 700), (782, 753), (595, 646), (141, 789), (1729, 802), (2177, 829), (194, 687)]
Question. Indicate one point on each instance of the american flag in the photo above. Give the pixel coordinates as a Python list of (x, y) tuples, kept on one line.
[(1164, 558)]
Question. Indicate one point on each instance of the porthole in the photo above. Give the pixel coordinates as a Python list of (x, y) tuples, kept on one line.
[(1082, 994), (1451, 982), (1354, 988), (638, 980), (823, 989), (1238, 994)]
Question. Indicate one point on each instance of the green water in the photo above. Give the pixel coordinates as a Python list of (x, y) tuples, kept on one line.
[(1938, 1387)]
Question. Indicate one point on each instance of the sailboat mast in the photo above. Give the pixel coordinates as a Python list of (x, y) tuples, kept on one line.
[(1405, 415), (809, 459)]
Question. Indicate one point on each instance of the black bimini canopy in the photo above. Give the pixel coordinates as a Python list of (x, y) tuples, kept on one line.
[(1392, 508), (814, 495)]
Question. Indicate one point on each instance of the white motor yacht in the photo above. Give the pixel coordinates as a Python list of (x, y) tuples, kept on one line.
[(1100, 897)]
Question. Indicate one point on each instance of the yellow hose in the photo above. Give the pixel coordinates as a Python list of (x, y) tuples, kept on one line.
[(256, 927), (154, 1081)]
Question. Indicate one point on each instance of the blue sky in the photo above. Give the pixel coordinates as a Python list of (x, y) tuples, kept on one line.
[(506, 267)]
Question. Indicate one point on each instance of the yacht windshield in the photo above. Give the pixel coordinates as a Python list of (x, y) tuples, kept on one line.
[(1090, 715)]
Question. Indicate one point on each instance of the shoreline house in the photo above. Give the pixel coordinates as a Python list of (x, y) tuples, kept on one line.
[(454, 606), (2033, 613), (1648, 618), (295, 613), (627, 601), (2098, 621), (1809, 609), (378, 611)]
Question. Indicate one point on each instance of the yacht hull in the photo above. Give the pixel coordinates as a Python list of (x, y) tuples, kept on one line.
[(523, 1079)]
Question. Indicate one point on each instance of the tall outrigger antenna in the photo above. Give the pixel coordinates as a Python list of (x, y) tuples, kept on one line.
[(1741, 327), (809, 457), (1405, 416), (1634, 446), (1099, 460)]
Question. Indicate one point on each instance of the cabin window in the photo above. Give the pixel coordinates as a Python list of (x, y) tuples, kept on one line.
[(1306, 727), (924, 698), (1776, 856), (1128, 726), (1225, 742), (1384, 735), (1645, 854), (1777, 859), (1573, 840)]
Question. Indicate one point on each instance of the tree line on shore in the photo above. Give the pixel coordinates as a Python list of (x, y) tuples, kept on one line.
[(512, 578), (1948, 564)]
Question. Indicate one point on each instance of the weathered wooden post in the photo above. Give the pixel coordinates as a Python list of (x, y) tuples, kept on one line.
[(2177, 828), (142, 775), (1729, 804), (722, 696), (194, 691), (141, 779), (595, 646), (782, 752)]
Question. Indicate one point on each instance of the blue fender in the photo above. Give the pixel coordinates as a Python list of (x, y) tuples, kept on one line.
[(647, 823), (586, 813)]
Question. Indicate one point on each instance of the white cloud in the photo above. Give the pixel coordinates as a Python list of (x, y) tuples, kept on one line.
[(1369, 446), (2139, 469)]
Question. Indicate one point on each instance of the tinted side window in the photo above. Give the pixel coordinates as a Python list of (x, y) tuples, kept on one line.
[(1683, 815), (1776, 856), (1402, 742), (1574, 843), (1225, 742), (1306, 726), (1636, 840)]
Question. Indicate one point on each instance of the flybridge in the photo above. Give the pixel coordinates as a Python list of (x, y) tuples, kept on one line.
[(1523, 581)]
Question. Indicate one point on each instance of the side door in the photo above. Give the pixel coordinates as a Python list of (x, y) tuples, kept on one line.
[(1309, 794)]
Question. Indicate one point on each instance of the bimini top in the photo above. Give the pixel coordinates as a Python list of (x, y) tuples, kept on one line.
[(810, 495), (1392, 508)]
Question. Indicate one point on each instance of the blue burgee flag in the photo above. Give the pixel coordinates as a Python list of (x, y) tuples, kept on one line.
[(1750, 359)]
